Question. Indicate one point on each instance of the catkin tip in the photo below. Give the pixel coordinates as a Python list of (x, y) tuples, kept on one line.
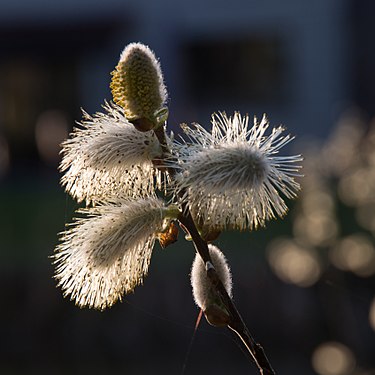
[(204, 293), (137, 86)]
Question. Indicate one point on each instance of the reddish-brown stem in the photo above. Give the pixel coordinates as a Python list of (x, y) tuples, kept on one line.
[(236, 323)]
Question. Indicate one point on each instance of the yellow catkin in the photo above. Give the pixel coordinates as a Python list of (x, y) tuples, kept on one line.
[(137, 83)]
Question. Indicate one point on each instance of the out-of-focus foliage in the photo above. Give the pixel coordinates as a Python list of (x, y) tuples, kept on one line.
[(333, 224)]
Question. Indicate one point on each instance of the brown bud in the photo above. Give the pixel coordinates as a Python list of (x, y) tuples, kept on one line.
[(143, 124), (169, 236), (216, 315)]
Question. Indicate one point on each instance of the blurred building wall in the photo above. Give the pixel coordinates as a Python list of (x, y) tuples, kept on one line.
[(294, 56)]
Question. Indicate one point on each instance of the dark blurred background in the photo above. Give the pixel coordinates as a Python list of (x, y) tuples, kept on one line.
[(304, 285)]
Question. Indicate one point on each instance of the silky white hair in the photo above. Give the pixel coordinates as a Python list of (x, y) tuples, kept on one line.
[(203, 291), (232, 177), (106, 253), (107, 156)]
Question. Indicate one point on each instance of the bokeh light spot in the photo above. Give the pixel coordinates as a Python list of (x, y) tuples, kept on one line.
[(372, 314), (294, 264), (357, 187), (355, 253), (333, 358), (316, 229), (51, 129)]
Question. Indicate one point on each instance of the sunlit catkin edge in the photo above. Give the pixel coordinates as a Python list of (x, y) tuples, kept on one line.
[(107, 157), (203, 291), (232, 176), (106, 252)]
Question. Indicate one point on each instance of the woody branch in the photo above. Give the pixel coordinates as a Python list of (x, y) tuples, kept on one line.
[(235, 321)]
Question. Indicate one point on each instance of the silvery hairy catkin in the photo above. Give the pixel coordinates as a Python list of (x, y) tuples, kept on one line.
[(205, 294)]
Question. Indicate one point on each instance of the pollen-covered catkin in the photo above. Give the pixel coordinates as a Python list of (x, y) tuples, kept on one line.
[(108, 157), (233, 177), (137, 85), (106, 253)]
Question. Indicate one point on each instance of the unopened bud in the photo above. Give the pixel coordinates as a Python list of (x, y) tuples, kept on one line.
[(204, 292), (217, 315), (137, 86)]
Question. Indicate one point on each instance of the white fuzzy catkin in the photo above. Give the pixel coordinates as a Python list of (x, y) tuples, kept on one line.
[(203, 292), (108, 157), (106, 253), (232, 177)]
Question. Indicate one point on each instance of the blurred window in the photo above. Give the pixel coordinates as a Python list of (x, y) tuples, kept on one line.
[(235, 70), (38, 73)]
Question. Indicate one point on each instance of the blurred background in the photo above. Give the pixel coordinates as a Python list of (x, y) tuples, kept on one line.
[(304, 285)]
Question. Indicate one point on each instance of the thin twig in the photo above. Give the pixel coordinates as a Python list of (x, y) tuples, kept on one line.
[(236, 323)]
